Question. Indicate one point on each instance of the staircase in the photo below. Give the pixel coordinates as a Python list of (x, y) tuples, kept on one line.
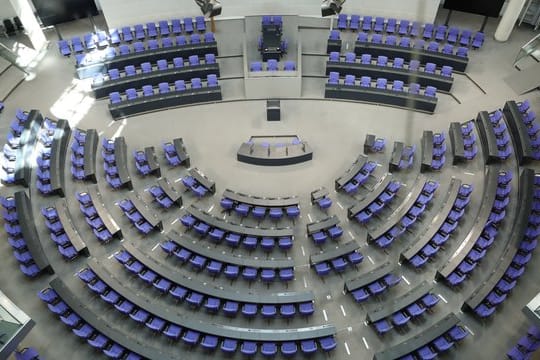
[(531, 14), (11, 75)]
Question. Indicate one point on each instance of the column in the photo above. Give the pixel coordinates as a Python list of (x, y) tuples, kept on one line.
[(25, 12), (508, 20)]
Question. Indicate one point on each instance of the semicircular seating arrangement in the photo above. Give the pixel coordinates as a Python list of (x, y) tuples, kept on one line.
[(411, 253)]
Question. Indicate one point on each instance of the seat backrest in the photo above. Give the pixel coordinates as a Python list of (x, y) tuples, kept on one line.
[(212, 80), (130, 70), (334, 77), (163, 87), (131, 94), (272, 65), (146, 67), (382, 60), (381, 83), (210, 58), (376, 38), (397, 85), (430, 67), (162, 64), (180, 85), (365, 81), (334, 35), (195, 39), (255, 66), (366, 58), (398, 62), (178, 62), (414, 65), (289, 65), (414, 88), (196, 83), (194, 60), (430, 91), (334, 56), (147, 90), (362, 36), (349, 79), (350, 57), (209, 37), (180, 40)]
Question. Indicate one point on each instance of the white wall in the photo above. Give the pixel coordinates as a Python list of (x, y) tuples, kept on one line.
[(128, 12), (6, 10)]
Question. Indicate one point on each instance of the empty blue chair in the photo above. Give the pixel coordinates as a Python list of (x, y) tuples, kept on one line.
[(440, 32), (366, 23), (127, 35), (462, 51), (465, 38), (179, 85), (138, 47), (391, 26), (379, 24), (200, 24), (180, 40), (342, 22), (433, 46), (390, 40), (349, 79), (478, 40), (209, 37), (196, 83), (195, 39), (397, 85), (382, 60), (164, 28), (362, 37), (419, 44), (115, 98), (163, 88), (210, 59), (365, 81), (350, 57), (381, 83), (405, 42), (446, 71), (148, 90), (354, 24), (212, 80), (166, 42), (333, 78), (188, 25), (398, 63), (151, 30), (452, 36), (289, 65), (428, 31), (403, 27), (376, 39), (272, 65), (430, 91), (334, 35), (153, 44)]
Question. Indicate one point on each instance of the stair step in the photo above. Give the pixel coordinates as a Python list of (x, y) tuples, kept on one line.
[(9, 80)]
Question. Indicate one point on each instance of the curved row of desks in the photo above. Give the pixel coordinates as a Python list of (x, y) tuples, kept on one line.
[(144, 104), (103, 326), (208, 289), (187, 242), (25, 160), (389, 97), (351, 172), (59, 147), (261, 201), (518, 131), (237, 228), (526, 195), (458, 63), (377, 190), (274, 155), (120, 61), (423, 78), (424, 238), (400, 211), (491, 174), (153, 78), (223, 331)]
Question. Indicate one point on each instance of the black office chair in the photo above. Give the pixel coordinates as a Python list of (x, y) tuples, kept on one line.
[(18, 23), (10, 28)]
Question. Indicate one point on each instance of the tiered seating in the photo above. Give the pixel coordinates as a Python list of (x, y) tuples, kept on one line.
[(200, 258), (350, 89), (259, 207), (134, 103), (356, 175), (526, 345), (165, 194), (96, 215), (448, 55), (339, 259), (402, 156), (494, 138), (63, 232), (139, 214), (373, 283), (168, 72), (114, 154), (95, 330), (523, 240), (321, 198), (438, 232), (406, 214), (463, 141), (146, 161), (83, 155), (217, 229), (321, 230), (381, 67), (118, 56), (484, 231), (13, 143), (198, 183), (22, 234), (212, 299), (402, 309), (374, 144), (437, 339), (433, 150), (174, 326), (381, 195), (175, 152)]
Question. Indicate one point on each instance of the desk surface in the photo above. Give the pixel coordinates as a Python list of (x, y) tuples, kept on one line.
[(69, 228), (369, 277), (143, 208), (261, 200), (334, 253), (102, 211), (377, 190), (351, 172)]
